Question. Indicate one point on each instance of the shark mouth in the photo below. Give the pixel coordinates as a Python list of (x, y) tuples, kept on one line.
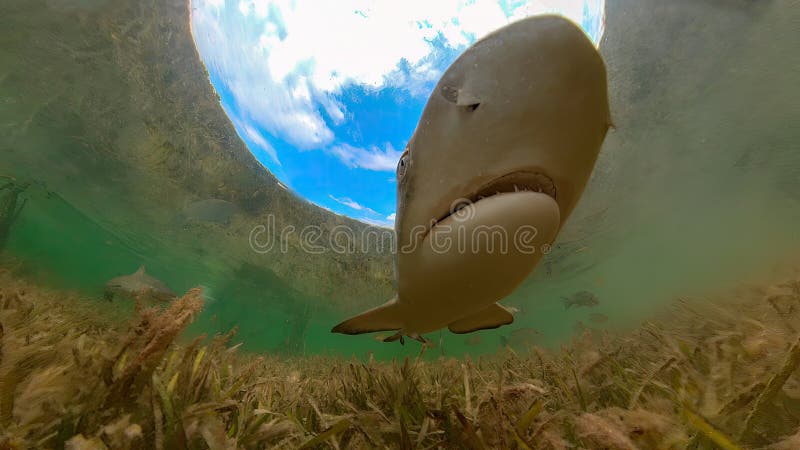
[(518, 181)]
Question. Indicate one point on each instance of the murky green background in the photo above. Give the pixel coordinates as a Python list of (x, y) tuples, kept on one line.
[(107, 114)]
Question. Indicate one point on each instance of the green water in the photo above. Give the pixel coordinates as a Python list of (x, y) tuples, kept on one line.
[(107, 113)]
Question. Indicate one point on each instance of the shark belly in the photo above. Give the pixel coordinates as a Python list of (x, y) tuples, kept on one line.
[(476, 257)]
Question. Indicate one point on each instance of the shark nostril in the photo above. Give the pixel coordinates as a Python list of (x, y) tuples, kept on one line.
[(460, 97)]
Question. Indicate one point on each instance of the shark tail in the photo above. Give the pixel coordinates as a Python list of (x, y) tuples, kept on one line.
[(386, 317)]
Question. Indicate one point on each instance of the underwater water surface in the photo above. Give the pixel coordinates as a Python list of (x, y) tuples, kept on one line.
[(114, 138)]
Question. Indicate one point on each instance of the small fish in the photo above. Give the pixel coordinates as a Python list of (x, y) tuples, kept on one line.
[(597, 317), (212, 210), (139, 284), (581, 298), (520, 337)]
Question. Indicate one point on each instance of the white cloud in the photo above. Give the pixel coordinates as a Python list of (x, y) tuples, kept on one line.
[(346, 201), (377, 222), (260, 142), (371, 159), (369, 215), (350, 203), (388, 222), (569, 8), (334, 109), (259, 8), (300, 91), (417, 82), (284, 61), (235, 48)]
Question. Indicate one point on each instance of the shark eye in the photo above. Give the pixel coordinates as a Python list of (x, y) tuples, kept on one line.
[(402, 165)]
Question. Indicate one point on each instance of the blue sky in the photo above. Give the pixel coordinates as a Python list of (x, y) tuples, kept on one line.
[(326, 92)]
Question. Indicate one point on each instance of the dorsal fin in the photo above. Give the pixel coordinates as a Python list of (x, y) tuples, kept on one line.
[(140, 270)]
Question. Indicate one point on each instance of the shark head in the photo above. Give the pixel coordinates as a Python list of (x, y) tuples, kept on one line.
[(505, 144), (524, 108)]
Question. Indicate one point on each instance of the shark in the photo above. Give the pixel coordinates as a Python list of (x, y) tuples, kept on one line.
[(139, 284), (501, 154)]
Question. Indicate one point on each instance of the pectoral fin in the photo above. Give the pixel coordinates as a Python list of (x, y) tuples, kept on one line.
[(382, 318), (493, 316)]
